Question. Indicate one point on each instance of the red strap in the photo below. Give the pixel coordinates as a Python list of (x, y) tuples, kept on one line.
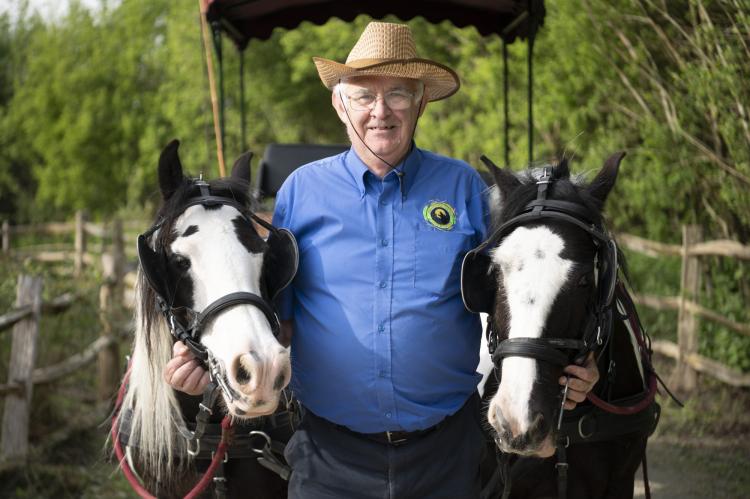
[(226, 424), (626, 410)]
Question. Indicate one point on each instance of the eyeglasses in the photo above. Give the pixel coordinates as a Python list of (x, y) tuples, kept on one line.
[(363, 99)]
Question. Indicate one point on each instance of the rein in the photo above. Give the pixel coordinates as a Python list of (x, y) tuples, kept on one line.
[(226, 435)]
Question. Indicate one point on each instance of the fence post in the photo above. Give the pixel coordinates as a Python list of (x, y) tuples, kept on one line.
[(14, 440), (6, 237), (685, 377), (110, 293), (80, 241)]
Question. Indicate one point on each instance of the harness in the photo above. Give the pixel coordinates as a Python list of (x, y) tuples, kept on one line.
[(282, 248), (602, 420)]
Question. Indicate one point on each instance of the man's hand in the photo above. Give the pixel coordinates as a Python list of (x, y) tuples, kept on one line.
[(582, 380), (184, 373)]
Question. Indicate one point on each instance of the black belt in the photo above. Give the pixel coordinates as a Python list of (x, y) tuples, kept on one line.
[(394, 438)]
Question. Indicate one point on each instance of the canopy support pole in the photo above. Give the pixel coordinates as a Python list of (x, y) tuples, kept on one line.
[(212, 88), (530, 74), (243, 126), (506, 114), (216, 31)]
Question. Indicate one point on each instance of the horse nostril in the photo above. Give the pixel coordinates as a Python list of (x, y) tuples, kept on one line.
[(242, 375)]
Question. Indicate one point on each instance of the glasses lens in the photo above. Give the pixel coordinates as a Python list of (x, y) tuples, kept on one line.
[(399, 99)]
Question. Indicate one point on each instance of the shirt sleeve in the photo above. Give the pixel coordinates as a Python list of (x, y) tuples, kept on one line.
[(281, 218)]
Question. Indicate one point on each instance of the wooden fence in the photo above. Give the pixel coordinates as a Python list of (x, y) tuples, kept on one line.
[(685, 351), (82, 253), (24, 319)]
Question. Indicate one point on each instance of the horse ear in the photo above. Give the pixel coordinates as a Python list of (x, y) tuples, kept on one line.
[(605, 180), (241, 168), (505, 179), (170, 170), (562, 170)]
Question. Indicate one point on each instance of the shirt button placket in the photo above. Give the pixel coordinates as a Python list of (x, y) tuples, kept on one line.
[(383, 296)]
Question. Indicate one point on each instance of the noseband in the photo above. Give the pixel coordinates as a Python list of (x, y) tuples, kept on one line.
[(190, 332)]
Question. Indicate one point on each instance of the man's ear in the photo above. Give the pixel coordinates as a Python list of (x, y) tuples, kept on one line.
[(338, 105)]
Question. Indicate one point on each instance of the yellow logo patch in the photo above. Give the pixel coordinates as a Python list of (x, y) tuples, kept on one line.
[(440, 214)]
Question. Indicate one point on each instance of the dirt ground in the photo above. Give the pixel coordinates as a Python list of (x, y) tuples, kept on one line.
[(701, 450), (680, 468)]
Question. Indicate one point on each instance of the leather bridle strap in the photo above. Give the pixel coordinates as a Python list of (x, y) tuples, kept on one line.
[(546, 349), (232, 300)]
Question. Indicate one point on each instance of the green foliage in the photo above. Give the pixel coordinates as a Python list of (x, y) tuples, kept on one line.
[(88, 101)]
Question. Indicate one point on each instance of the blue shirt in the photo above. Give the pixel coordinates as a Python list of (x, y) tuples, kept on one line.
[(382, 340)]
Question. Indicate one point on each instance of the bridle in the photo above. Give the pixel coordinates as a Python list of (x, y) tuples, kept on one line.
[(476, 272), (479, 287), (598, 323), (153, 264)]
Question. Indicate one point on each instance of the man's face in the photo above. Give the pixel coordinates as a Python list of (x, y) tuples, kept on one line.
[(386, 131)]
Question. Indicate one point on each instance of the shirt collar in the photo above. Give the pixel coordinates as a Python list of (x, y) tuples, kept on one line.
[(409, 167)]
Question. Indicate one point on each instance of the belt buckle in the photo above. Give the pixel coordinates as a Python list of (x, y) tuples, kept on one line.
[(393, 441)]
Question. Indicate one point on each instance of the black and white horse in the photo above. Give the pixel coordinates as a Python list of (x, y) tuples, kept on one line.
[(206, 278), (548, 279)]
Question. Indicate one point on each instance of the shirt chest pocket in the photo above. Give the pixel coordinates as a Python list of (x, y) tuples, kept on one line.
[(437, 258)]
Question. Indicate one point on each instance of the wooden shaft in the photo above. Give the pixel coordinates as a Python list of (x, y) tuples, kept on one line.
[(212, 88)]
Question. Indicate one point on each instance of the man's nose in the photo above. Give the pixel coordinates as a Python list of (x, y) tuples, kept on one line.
[(380, 109)]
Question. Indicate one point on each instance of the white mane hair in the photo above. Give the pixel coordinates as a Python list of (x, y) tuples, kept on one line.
[(155, 408)]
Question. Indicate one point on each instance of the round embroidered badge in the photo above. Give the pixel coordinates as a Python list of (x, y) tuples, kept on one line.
[(440, 214)]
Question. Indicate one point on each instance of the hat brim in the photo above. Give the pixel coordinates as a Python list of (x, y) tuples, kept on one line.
[(440, 81)]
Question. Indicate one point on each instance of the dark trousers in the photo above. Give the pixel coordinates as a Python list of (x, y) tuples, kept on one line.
[(331, 462)]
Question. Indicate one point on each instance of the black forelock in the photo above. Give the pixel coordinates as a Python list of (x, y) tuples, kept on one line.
[(562, 189)]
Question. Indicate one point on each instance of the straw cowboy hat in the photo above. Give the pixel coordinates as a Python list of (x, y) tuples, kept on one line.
[(387, 49)]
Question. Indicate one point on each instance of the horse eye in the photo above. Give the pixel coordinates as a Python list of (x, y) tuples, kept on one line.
[(181, 262)]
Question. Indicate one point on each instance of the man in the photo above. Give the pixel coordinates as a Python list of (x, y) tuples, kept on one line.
[(384, 353)]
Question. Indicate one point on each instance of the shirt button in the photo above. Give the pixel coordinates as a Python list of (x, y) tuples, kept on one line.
[(381, 328), (383, 202), (384, 242), (383, 284), (388, 415)]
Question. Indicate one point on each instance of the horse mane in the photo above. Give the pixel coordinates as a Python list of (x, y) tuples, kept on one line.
[(564, 188), (152, 402)]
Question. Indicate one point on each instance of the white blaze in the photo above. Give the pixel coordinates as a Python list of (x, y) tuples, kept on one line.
[(533, 273)]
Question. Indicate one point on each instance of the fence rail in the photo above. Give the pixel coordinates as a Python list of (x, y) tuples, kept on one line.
[(685, 351), (80, 252), (24, 320)]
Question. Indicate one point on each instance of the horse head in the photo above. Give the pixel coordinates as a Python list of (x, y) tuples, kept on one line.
[(545, 277), (207, 278)]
